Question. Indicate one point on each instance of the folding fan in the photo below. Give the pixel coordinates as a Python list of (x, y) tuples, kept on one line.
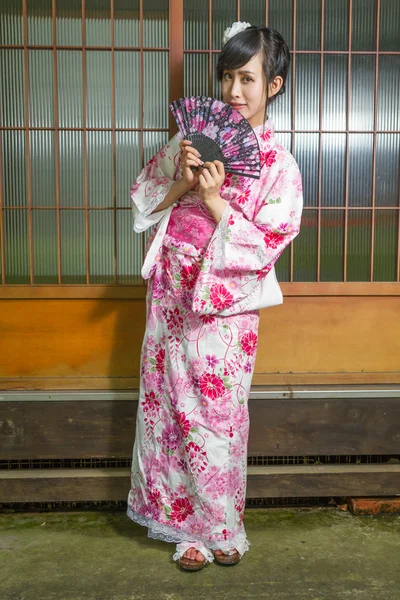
[(219, 132)]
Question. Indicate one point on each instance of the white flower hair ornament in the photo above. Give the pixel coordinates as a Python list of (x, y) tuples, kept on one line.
[(235, 28)]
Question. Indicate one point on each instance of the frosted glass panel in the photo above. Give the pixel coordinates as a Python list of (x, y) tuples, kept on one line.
[(195, 24), (98, 89), (332, 244), (40, 22), (129, 250), (43, 168), (12, 92), (100, 168), (128, 154), (196, 74), (11, 26), (71, 168), (69, 22), (127, 89), (126, 23), (282, 265), (253, 12), (70, 88), (385, 245), (364, 25), (308, 13), (101, 246), (334, 94), (280, 110), (153, 141), (387, 170), (362, 92), (333, 170), (389, 26), (14, 168), (336, 26), (307, 91), (16, 240), (305, 248), (156, 82), (44, 227), (73, 246), (223, 15), (97, 22), (280, 17), (306, 154), (389, 93), (360, 170), (359, 245), (216, 91), (41, 86), (155, 23)]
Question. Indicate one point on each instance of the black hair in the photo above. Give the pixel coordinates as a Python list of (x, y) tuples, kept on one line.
[(243, 46)]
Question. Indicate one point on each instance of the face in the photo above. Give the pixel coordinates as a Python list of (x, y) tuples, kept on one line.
[(244, 88)]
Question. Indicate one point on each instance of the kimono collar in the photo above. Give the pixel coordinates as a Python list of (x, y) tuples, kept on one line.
[(267, 139)]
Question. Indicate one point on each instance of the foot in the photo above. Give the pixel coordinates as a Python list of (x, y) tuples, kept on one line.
[(194, 554), (219, 552)]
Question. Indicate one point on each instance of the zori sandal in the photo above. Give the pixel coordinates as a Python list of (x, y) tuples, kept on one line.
[(189, 564), (229, 557)]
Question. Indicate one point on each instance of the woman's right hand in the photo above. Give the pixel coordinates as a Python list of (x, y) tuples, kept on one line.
[(190, 157)]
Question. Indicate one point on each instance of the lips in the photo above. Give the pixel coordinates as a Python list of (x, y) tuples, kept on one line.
[(237, 105)]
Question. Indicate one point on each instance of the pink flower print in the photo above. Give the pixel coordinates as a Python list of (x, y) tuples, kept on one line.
[(183, 423), (155, 497), (243, 197), (211, 386), (228, 180), (171, 436), (220, 297), (196, 525), (268, 158), (266, 135), (207, 319), (262, 273), (273, 239), (235, 116), (231, 220), (189, 275), (181, 509), (197, 457), (160, 361), (151, 403), (249, 343), (174, 319), (247, 367), (212, 361)]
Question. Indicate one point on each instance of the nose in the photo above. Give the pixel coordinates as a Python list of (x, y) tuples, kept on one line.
[(235, 88)]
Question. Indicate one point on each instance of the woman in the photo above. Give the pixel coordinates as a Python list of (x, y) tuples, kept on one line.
[(209, 266)]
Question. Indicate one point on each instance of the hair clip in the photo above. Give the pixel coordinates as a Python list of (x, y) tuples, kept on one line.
[(235, 28)]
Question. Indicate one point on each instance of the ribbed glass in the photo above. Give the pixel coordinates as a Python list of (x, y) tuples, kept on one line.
[(128, 156), (333, 171), (360, 169), (156, 83), (73, 246), (364, 25), (306, 154), (155, 24), (362, 90), (101, 246), (308, 19), (40, 22), (69, 23), (305, 248), (195, 75), (14, 169), (129, 250), (11, 26), (41, 86), (98, 75), (336, 25), (284, 138), (195, 24), (97, 22), (153, 141), (224, 13), (332, 245), (307, 91), (387, 170), (12, 90), (16, 240), (216, 91), (280, 17), (100, 168), (282, 265), (70, 88), (253, 12), (385, 245), (280, 110), (389, 92), (43, 168), (334, 93), (126, 23), (44, 232), (127, 89), (389, 26), (359, 245), (71, 168)]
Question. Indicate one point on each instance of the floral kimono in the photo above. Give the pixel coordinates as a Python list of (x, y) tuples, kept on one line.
[(206, 284)]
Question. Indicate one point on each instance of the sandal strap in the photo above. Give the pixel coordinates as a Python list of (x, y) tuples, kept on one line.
[(200, 547)]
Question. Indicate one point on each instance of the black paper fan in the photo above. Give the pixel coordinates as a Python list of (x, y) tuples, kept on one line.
[(219, 132)]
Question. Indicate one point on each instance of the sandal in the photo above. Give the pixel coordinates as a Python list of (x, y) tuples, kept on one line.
[(228, 559), (189, 564)]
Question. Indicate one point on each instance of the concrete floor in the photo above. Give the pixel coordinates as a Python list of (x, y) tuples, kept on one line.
[(313, 554)]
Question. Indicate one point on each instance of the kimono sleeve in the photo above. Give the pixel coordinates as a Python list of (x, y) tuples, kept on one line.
[(242, 252), (153, 184)]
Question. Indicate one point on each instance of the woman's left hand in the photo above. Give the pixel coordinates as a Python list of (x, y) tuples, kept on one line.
[(211, 179)]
